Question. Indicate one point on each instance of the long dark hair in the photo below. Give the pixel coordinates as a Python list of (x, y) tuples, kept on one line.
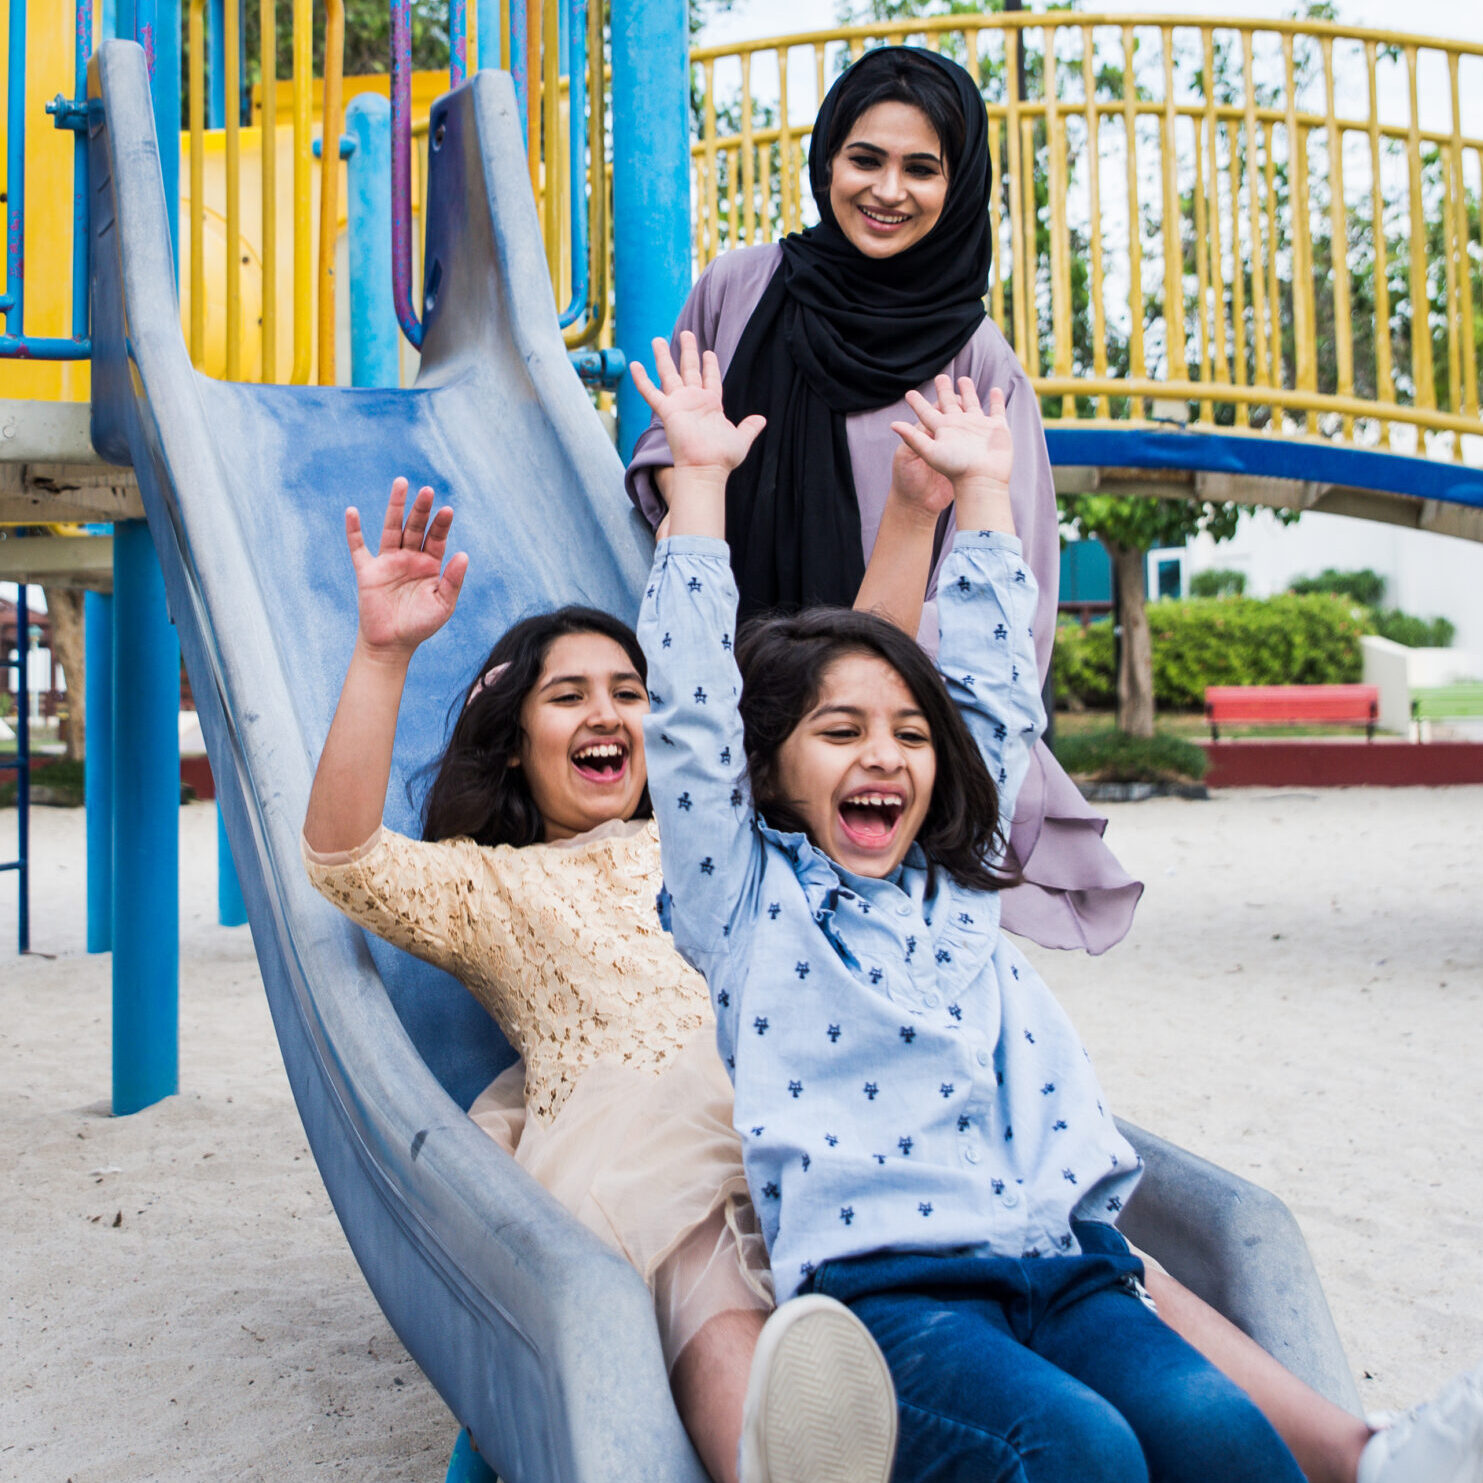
[(475, 793), (782, 662), (900, 74)]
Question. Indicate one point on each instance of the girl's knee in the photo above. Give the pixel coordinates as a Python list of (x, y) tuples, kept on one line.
[(1086, 1440), (1212, 1432)]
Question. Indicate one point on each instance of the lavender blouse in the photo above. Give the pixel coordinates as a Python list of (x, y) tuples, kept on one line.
[(1075, 894)]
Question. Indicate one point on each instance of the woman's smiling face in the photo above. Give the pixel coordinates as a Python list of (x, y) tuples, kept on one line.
[(888, 182)]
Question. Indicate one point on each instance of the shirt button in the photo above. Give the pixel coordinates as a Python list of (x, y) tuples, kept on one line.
[(1010, 1199), (903, 908), (933, 1000), (983, 1058), (971, 1154)]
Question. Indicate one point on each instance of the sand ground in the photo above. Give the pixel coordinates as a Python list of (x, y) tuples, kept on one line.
[(1301, 1000)]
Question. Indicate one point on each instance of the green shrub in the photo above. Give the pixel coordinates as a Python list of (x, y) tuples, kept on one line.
[(1413, 632), (63, 778), (1108, 755), (1219, 581), (1364, 586), (1287, 640)]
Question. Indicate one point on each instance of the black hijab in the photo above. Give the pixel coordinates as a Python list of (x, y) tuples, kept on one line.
[(837, 332)]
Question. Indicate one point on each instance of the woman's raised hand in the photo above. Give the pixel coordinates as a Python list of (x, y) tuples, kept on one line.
[(688, 401), (404, 592)]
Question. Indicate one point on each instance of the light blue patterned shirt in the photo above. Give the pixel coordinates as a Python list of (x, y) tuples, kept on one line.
[(904, 1080)]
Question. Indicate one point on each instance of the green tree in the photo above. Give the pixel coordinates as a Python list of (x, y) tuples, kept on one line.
[(1130, 526)]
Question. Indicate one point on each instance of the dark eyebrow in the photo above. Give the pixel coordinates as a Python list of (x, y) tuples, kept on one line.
[(855, 712), (618, 677), (921, 154)]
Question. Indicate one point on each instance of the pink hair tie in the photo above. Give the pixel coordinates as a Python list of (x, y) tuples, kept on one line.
[(484, 682)]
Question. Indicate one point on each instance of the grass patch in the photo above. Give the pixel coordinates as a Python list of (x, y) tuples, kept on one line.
[(62, 781), (1107, 755)]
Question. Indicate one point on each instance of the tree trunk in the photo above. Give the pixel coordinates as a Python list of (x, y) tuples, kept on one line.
[(68, 648), (1135, 654)]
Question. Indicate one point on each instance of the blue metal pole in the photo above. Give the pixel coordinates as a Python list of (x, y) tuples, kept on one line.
[(13, 299), (23, 768), (651, 186), (466, 1465), (146, 828), (375, 337), (231, 909), (157, 30), (216, 65), (98, 776)]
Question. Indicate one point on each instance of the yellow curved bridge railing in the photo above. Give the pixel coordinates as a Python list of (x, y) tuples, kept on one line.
[(1233, 225)]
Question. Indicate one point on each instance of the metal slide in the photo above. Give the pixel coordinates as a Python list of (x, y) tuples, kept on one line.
[(540, 1339)]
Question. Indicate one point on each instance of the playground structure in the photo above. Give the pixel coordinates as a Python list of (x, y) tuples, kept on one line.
[(490, 1286)]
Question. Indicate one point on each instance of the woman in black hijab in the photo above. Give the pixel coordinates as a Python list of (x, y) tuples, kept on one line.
[(823, 334)]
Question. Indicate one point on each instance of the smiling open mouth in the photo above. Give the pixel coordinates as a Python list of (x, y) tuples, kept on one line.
[(882, 219), (602, 762), (869, 819)]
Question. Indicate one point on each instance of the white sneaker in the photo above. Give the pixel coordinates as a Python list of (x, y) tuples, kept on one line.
[(820, 1405), (1440, 1441)]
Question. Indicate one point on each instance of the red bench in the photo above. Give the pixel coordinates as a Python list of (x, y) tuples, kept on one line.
[(1292, 705)]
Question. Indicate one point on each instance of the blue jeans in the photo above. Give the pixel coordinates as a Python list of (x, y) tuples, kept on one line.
[(1049, 1371)]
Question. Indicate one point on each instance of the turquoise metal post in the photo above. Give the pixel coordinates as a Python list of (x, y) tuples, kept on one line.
[(146, 828), (216, 65), (231, 909), (466, 1465), (651, 185), (146, 728), (375, 339), (98, 767)]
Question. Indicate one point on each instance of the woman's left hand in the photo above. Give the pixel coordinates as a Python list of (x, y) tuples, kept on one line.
[(688, 401)]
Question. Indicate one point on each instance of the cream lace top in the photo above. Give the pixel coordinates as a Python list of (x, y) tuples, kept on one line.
[(561, 943)]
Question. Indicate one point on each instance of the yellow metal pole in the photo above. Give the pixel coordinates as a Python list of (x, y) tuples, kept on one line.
[(232, 38), (785, 148), (303, 83), (1173, 243), (1274, 284), (1220, 369), (1031, 353), (1339, 238), (1136, 362), (1384, 376), (1060, 248), (1464, 320), (1238, 268), (1202, 266), (707, 202), (534, 14), (1016, 194), (555, 176), (1421, 339), (329, 183), (1261, 246), (1094, 208), (1297, 205), (748, 154), (198, 182), (268, 130)]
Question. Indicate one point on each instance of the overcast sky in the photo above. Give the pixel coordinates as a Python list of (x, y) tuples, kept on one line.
[(1459, 20)]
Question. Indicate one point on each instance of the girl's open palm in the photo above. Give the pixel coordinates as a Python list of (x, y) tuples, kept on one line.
[(688, 401), (404, 593), (957, 437)]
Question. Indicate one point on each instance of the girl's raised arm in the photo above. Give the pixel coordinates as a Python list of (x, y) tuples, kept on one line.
[(404, 595)]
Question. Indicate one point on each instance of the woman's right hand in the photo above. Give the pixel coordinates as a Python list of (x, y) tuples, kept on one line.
[(404, 593)]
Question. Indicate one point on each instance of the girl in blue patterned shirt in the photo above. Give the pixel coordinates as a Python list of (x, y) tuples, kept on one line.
[(923, 1135)]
